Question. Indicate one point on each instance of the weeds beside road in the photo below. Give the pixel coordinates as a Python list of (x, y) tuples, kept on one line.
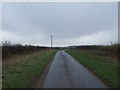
[(25, 73), (104, 67)]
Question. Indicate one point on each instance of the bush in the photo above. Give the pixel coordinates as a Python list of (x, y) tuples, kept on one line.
[(9, 49)]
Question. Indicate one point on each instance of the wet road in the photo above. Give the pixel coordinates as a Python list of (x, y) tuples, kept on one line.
[(66, 72)]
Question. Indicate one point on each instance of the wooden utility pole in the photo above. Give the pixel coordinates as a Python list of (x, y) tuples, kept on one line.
[(51, 42)]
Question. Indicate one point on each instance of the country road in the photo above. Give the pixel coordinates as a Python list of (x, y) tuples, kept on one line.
[(66, 72)]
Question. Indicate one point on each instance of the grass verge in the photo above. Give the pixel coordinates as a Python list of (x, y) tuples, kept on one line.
[(102, 67), (24, 74)]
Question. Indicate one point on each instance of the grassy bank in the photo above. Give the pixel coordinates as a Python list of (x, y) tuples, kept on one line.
[(25, 73), (104, 67)]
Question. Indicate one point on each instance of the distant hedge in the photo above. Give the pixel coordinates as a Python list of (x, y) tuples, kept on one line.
[(113, 49), (9, 49)]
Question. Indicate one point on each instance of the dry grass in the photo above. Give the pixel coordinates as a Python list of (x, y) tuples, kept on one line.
[(21, 57), (25, 73)]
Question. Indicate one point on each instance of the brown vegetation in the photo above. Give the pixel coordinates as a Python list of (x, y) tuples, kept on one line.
[(8, 49), (17, 58)]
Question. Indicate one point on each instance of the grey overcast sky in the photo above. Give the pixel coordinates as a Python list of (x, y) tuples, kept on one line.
[(71, 23)]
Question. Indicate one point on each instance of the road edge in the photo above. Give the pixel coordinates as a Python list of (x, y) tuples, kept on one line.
[(39, 82), (92, 72)]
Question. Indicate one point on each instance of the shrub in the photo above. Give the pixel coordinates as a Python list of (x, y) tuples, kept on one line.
[(9, 49)]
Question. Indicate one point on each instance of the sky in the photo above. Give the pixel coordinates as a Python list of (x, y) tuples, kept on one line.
[(70, 23)]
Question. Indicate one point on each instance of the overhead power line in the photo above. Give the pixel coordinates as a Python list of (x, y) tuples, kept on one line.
[(29, 12)]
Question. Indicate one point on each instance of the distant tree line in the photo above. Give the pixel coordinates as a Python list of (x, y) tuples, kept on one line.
[(9, 49)]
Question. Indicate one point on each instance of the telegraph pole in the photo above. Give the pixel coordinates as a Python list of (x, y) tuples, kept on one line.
[(51, 41)]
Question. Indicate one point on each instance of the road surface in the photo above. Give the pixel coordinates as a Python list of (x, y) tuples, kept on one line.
[(66, 72)]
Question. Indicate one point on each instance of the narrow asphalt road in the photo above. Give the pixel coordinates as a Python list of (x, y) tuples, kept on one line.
[(66, 72)]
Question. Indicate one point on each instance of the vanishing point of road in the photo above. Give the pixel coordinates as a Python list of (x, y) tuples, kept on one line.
[(66, 72)]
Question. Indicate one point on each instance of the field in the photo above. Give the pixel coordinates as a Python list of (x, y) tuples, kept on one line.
[(101, 62), (24, 65), (22, 71)]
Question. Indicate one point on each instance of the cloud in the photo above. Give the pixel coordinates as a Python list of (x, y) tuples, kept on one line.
[(16, 38), (69, 23), (68, 20), (9, 36), (99, 38)]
